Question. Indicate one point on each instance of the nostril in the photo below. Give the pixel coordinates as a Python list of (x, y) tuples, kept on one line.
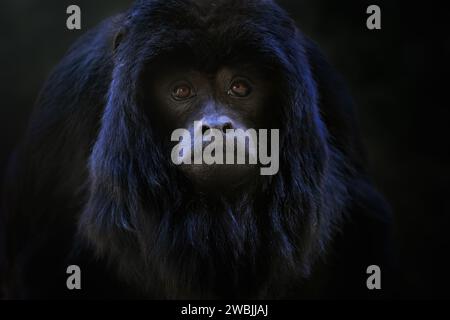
[(205, 128), (227, 126)]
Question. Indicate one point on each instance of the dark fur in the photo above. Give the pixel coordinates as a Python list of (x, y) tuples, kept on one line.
[(91, 183)]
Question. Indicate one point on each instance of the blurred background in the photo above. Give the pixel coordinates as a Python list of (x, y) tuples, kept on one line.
[(397, 75)]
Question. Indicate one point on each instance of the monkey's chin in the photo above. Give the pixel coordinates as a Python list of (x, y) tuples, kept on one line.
[(220, 177)]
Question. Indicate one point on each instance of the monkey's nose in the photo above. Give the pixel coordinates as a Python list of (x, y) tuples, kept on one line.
[(221, 123)]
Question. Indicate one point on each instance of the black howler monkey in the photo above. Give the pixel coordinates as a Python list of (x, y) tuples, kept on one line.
[(92, 183)]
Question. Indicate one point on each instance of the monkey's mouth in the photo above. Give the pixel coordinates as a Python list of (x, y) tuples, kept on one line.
[(226, 158), (219, 176)]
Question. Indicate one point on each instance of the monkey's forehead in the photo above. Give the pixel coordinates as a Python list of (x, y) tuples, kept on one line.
[(207, 14), (211, 31)]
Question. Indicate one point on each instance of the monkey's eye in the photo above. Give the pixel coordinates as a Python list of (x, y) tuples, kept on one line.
[(240, 88), (182, 91)]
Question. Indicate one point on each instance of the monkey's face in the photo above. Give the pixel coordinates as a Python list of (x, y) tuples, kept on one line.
[(212, 121)]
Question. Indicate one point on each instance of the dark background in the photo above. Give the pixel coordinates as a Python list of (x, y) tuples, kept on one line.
[(397, 76)]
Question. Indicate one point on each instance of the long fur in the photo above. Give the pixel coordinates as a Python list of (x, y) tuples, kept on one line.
[(127, 201)]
